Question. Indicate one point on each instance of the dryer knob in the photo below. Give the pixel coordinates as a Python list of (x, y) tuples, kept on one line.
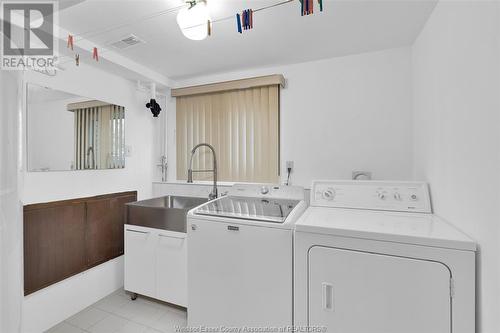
[(264, 190)]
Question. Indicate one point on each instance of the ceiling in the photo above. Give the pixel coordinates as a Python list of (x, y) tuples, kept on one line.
[(280, 34)]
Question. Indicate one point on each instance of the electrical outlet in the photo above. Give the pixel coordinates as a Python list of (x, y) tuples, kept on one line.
[(289, 165)]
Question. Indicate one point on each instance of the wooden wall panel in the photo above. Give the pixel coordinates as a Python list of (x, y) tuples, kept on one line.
[(105, 221), (65, 238), (53, 239)]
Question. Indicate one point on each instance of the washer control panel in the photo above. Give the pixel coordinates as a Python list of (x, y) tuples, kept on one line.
[(267, 191), (375, 195)]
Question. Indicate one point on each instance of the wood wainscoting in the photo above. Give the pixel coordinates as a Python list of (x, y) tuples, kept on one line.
[(64, 238)]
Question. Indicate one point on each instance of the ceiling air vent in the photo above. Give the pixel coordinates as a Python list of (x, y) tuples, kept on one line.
[(126, 42)]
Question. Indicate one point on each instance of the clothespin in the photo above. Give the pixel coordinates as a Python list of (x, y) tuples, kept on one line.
[(320, 2), (247, 19), (307, 7), (238, 23), (70, 42), (95, 54), (77, 59), (209, 28)]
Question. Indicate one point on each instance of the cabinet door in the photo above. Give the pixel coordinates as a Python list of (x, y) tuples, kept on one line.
[(239, 275), (140, 262), (358, 292), (171, 268), (105, 220)]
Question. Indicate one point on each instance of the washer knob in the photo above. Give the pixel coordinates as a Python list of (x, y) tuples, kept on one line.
[(381, 196), (329, 194), (397, 196), (264, 190)]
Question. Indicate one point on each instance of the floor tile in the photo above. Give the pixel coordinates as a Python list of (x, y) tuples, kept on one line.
[(141, 312), (87, 318), (64, 328), (132, 327), (152, 330), (170, 322), (117, 313), (110, 324), (112, 303)]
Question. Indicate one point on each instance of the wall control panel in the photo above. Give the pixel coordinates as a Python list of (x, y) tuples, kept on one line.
[(374, 195)]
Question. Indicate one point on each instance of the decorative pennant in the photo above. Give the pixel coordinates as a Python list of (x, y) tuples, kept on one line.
[(238, 23), (95, 54), (209, 28), (320, 2), (70, 42), (77, 59)]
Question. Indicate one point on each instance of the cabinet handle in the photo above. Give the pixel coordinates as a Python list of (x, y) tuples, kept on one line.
[(169, 236), (327, 299), (139, 232), (233, 228)]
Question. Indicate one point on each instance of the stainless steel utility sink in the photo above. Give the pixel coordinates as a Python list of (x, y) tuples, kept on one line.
[(167, 213)]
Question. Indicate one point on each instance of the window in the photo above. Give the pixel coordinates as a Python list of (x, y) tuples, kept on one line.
[(99, 135), (243, 127)]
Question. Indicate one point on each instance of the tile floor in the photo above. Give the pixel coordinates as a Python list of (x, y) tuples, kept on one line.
[(117, 313)]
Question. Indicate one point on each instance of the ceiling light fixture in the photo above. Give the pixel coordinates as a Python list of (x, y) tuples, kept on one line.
[(193, 20)]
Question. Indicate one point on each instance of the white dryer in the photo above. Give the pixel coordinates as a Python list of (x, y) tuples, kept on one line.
[(370, 257)]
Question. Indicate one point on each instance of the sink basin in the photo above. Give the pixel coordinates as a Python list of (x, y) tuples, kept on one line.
[(167, 213)]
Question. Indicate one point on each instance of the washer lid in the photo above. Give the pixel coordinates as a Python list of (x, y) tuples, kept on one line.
[(257, 209), (409, 228)]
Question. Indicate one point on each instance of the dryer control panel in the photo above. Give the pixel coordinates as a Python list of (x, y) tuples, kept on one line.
[(374, 195)]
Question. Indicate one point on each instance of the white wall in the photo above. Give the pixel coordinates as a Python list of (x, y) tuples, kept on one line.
[(47, 307), (338, 115), (456, 69), (10, 205)]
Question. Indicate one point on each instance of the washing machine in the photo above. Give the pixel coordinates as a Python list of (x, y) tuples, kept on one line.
[(370, 257), (240, 259)]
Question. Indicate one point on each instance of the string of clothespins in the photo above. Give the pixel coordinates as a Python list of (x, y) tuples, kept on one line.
[(244, 21)]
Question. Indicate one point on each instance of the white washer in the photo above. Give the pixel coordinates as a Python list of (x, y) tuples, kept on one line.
[(371, 258), (240, 257)]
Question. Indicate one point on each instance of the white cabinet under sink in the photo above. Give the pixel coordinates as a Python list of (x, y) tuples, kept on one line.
[(156, 263)]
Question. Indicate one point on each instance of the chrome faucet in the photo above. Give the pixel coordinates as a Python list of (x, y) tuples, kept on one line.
[(213, 194)]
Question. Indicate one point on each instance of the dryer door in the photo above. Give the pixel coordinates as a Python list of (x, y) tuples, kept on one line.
[(359, 292)]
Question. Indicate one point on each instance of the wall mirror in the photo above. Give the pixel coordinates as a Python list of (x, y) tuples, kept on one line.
[(70, 132)]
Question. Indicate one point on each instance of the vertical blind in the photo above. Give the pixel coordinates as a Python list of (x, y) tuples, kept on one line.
[(243, 127), (99, 137)]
